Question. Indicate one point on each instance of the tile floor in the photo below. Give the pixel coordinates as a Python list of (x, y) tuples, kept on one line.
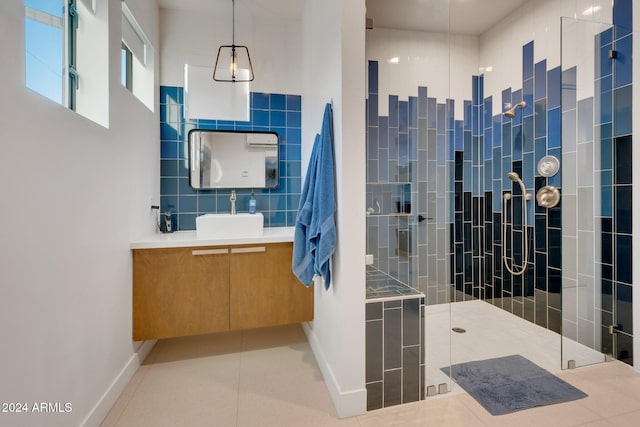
[(269, 377)]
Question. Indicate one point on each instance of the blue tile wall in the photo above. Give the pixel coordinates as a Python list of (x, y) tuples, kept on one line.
[(279, 113), (482, 149)]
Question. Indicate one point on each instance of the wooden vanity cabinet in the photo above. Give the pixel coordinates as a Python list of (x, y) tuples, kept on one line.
[(197, 290), (264, 291)]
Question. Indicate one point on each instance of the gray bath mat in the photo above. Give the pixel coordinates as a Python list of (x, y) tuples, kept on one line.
[(510, 384)]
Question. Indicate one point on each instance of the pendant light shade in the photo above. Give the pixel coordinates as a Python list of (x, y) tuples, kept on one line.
[(233, 63)]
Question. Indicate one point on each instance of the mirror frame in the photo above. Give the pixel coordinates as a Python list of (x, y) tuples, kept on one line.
[(240, 132)]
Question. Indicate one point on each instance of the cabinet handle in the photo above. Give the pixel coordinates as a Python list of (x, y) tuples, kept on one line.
[(248, 250), (197, 252)]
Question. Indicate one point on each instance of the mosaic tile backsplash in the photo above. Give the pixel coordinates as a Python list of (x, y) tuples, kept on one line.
[(278, 113), (454, 173)]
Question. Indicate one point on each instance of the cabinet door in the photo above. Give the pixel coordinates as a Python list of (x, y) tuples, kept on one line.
[(264, 290), (180, 291)]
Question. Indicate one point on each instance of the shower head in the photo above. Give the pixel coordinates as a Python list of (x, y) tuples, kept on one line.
[(513, 176), (511, 113)]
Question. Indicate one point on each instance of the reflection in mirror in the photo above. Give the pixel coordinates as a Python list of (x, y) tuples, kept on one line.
[(233, 159)]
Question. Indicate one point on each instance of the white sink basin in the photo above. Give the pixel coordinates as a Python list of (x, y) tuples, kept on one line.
[(216, 226)]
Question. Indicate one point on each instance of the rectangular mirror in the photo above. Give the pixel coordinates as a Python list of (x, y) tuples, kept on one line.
[(233, 159)]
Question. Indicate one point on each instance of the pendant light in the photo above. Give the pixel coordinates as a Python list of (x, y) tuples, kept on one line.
[(233, 63)]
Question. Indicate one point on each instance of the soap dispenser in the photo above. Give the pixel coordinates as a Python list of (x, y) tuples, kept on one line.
[(252, 203)]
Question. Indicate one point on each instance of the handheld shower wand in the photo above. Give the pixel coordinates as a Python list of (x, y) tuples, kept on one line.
[(513, 176)]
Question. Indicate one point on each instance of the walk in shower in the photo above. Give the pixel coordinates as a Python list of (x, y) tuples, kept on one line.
[(498, 190)]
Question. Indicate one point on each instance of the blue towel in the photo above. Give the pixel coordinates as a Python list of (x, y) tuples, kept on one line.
[(303, 260), (315, 232), (323, 226)]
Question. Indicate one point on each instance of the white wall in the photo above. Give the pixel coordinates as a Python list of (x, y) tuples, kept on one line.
[(423, 59), (275, 46), (74, 195), (334, 43)]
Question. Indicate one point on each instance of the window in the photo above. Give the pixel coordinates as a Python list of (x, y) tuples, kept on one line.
[(127, 67), (50, 44), (137, 56), (67, 54)]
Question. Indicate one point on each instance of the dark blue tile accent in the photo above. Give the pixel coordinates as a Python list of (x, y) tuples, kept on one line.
[(168, 150), (260, 100), (442, 118), (624, 312), (604, 107), (459, 132), (383, 134), (623, 157), (468, 119), (188, 204), (168, 203), (294, 136), (413, 112), (506, 139), (568, 89), (451, 109), (554, 129), (372, 146), (277, 101), (527, 135), (373, 77), (603, 64), (527, 61), (604, 38), (393, 111), (541, 118), (294, 119), (206, 203), (623, 63), (278, 119), (260, 117), (606, 154), (475, 90), (623, 209), (516, 131), (623, 258), (422, 102), (622, 17), (553, 87), (607, 201), (168, 132), (540, 148), (168, 186), (516, 96), (186, 221), (506, 102), (527, 96), (294, 102), (488, 144), (373, 110), (169, 168), (497, 131), (488, 109), (622, 114), (541, 80), (403, 116)]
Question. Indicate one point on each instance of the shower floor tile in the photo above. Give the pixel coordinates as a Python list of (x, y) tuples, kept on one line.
[(492, 332)]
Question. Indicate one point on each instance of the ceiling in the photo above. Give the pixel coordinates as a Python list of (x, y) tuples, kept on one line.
[(469, 17)]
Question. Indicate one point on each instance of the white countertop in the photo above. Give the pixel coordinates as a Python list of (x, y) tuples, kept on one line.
[(188, 239)]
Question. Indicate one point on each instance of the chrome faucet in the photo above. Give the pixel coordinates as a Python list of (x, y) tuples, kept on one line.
[(233, 202)]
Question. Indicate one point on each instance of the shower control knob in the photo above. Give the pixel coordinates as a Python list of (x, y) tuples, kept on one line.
[(548, 196)]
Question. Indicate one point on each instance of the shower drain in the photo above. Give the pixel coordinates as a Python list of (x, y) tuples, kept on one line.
[(459, 330)]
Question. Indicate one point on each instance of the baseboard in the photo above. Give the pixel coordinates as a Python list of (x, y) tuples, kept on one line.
[(347, 403), (110, 396)]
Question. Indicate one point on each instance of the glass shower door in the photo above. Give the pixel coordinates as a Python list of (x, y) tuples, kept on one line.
[(592, 193)]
